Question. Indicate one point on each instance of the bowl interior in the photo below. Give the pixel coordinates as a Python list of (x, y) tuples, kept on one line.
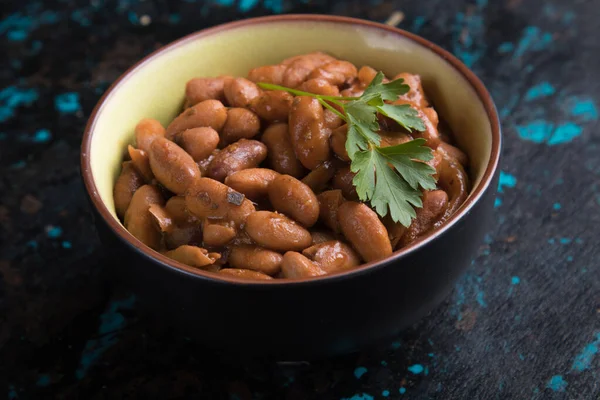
[(155, 88)]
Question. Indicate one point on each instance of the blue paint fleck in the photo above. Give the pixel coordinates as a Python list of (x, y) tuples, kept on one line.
[(402, 390), (565, 240), (468, 41), (569, 258), (568, 17), (396, 345), (565, 133), (174, 18), (578, 240), (42, 136), (584, 359), (540, 131), (247, 5), (275, 6), (17, 35), (497, 202), (556, 206), (506, 47), (481, 299), (43, 380), (12, 393), (521, 357), (418, 23), (32, 243), (225, 3), (111, 321), (506, 180), (532, 39), (359, 372), (67, 102), (551, 241), (515, 280), (12, 97), (583, 108), (416, 369), (361, 396), (557, 383), (54, 232), (66, 244), (430, 355), (385, 393), (81, 18), (543, 89), (133, 18)]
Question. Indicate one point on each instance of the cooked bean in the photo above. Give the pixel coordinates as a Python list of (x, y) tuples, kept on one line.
[(268, 74), (395, 231), (453, 179), (338, 142), (244, 274), (300, 67), (217, 234), (282, 157), (138, 220), (172, 166), (454, 152), (320, 237), (146, 131), (141, 163), (238, 156), (240, 92), (434, 204), (366, 75), (343, 180), (177, 209), (336, 72), (295, 265), (317, 57), (329, 203), (192, 256), (255, 258), (200, 89), (319, 86), (393, 138), (319, 177), (416, 94), (180, 235), (277, 232), (333, 256), (204, 164), (210, 113), (308, 132), (252, 182), (290, 196), (213, 200), (362, 227), (332, 120), (272, 105), (161, 217), (241, 124), (199, 142), (127, 183)]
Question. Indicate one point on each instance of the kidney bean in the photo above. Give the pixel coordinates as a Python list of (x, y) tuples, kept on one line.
[(434, 204), (319, 177), (281, 151), (338, 142), (198, 142), (277, 232), (252, 182), (204, 164), (301, 66), (333, 256), (238, 156), (453, 179), (343, 180), (416, 94), (172, 166), (146, 131), (241, 124), (255, 258), (366, 75), (193, 256), (141, 163), (217, 234), (244, 274), (295, 265), (200, 89), (454, 152), (211, 113), (268, 74), (336, 72), (308, 132), (127, 183), (272, 105), (332, 120), (320, 237), (240, 92), (319, 86), (138, 220), (395, 231), (329, 203), (177, 209), (290, 196), (213, 200), (161, 217), (362, 227), (190, 234)]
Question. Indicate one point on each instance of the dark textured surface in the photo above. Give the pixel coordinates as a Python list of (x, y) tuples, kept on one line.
[(523, 322)]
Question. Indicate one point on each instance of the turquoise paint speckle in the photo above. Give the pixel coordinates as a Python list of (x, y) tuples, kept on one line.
[(565, 133), (275, 6), (515, 280), (584, 359), (67, 102), (569, 258), (568, 17), (395, 345), (578, 240), (536, 131), (557, 383), (385, 393), (506, 180), (81, 18), (418, 23), (583, 107), (542, 89), (360, 396), (480, 298), (32, 243), (12, 393), (225, 3), (111, 321), (247, 5), (12, 97), (402, 390), (384, 363), (133, 18), (506, 47), (17, 35), (430, 355), (42, 136), (556, 206), (174, 18), (565, 240), (497, 202), (416, 369), (43, 380), (359, 372), (66, 244), (551, 241), (532, 39), (521, 357), (54, 232)]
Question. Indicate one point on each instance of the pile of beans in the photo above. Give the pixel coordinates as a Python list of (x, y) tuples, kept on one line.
[(257, 184)]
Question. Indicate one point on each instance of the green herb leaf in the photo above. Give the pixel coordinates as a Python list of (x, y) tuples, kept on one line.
[(402, 157), (403, 114), (384, 91)]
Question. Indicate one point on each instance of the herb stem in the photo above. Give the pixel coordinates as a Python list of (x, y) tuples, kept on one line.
[(332, 109), (271, 86)]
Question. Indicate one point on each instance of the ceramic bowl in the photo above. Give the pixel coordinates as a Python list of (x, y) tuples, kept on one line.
[(305, 318)]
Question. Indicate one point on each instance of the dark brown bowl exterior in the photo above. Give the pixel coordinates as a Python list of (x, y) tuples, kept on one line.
[(308, 318)]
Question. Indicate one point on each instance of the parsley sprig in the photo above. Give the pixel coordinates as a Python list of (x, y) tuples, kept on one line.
[(388, 177)]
